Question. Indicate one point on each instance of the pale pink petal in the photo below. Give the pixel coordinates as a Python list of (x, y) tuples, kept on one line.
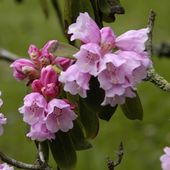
[(33, 109), (60, 116), (107, 39), (85, 29), (133, 40), (39, 132), (88, 58)]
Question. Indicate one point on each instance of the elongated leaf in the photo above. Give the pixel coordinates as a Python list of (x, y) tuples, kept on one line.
[(133, 108), (106, 112), (78, 138), (89, 119), (95, 96), (65, 50), (63, 151)]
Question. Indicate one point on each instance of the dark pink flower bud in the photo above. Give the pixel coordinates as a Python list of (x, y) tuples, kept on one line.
[(48, 84), (22, 68), (63, 62)]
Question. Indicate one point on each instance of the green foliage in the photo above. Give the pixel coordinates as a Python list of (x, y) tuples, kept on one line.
[(65, 50), (63, 151), (78, 138), (133, 108), (109, 8), (106, 112), (89, 119)]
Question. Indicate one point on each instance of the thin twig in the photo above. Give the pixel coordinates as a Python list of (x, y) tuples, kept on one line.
[(119, 156), (152, 76), (19, 164), (8, 56), (151, 21)]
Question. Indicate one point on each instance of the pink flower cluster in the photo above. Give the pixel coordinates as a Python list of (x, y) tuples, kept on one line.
[(119, 63), (3, 120), (5, 166), (45, 113), (165, 159)]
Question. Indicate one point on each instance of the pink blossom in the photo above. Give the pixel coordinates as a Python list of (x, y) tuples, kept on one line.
[(3, 121), (33, 109), (165, 159), (48, 83), (120, 73), (133, 40), (40, 132), (23, 68), (107, 39), (60, 116), (88, 58), (136, 65), (75, 81), (85, 29), (118, 98), (63, 62), (5, 166)]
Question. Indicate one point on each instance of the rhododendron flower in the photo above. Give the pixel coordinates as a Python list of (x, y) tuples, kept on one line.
[(34, 108), (60, 116), (119, 63), (2, 122), (121, 71), (23, 68), (88, 58), (5, 166), (40, 132), (75, 81), (48, 83), (165, 159), (85, 29), (133, 40)]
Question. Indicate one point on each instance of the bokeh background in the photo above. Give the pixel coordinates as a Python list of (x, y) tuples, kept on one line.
[(25, 24)]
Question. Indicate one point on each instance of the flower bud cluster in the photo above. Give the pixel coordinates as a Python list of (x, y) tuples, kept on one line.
[(43, 110)]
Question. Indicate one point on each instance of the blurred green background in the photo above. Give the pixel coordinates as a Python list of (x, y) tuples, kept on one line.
[(24, 24)]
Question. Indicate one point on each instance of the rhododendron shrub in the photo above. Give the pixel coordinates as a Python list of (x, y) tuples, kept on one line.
[(71, 88)]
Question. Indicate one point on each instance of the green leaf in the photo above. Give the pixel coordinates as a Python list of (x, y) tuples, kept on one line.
[(95, 96), (89, 119), (65, 50), (77, 136), (109, 8), (63, 151), (133, 108), (107, 112)]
